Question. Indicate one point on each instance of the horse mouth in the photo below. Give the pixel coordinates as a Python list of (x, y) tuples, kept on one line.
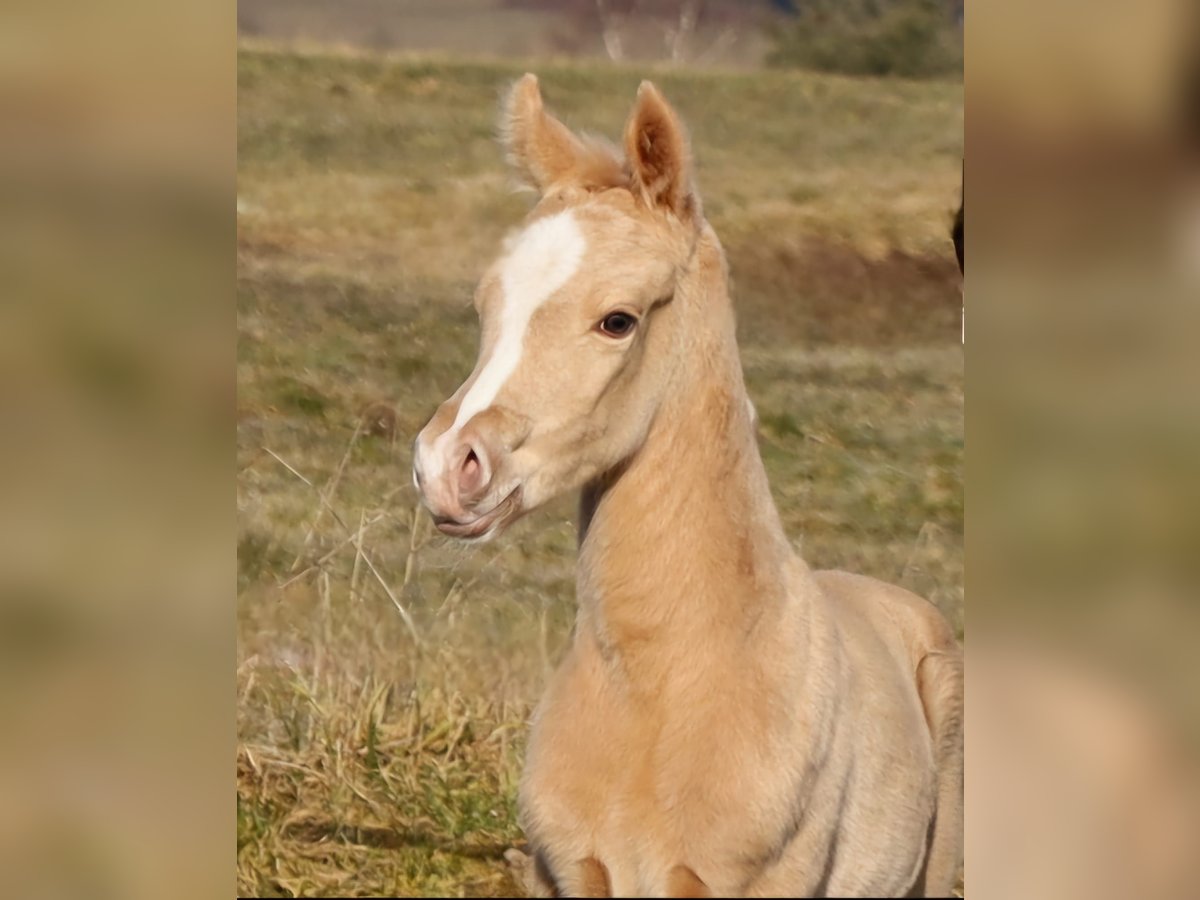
[(490, 522)]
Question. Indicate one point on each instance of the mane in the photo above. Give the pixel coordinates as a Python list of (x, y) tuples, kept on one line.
[(598, 165), (601, 165)]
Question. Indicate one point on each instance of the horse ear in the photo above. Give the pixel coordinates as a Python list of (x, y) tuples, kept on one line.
[(657, 149), (541, 148)]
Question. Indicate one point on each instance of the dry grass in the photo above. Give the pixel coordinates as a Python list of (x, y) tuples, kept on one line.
[(386, 674)]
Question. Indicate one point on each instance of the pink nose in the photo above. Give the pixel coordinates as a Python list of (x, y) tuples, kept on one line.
[(455, 482), (472, 475)]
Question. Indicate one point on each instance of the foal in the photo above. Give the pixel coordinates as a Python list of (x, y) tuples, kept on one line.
[(727, 722)]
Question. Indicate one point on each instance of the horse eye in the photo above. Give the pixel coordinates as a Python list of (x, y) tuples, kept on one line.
[(618, 324)]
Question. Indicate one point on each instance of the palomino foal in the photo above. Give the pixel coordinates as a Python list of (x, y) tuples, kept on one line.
[(727, 722)]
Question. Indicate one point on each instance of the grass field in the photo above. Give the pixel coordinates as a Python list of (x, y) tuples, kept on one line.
[(385, 674)]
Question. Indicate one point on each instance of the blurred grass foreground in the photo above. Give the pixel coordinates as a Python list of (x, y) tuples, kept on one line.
[(385, 674)]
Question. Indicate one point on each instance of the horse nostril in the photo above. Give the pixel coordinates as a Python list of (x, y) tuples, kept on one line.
[(471, 474)]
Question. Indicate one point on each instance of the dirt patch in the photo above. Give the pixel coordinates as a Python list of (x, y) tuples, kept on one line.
[(813, 291)]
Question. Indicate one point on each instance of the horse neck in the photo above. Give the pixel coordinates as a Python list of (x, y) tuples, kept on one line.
[(682, 550)]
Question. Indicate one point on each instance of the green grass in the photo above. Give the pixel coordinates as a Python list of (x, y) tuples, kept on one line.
[(371, 194)]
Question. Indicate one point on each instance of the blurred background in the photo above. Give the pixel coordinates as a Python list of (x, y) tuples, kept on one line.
[(385, 673), (868, 37)]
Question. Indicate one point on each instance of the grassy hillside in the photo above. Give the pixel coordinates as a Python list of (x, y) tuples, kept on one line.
[(386, 673)]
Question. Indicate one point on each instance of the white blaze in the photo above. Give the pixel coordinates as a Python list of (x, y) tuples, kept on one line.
[(540, 261)]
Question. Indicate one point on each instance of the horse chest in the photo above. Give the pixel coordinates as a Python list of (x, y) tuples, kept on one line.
[(646, 799), (616, 814)]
